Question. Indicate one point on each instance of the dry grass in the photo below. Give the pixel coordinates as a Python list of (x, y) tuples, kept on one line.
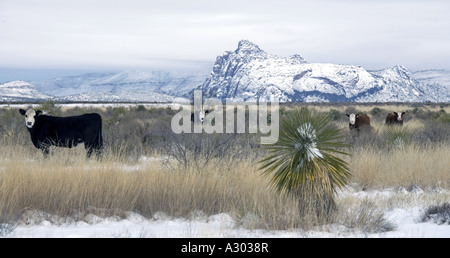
[(405, 167), (69, 186)]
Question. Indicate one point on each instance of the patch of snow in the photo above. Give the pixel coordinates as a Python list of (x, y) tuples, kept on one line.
[(308, 141)]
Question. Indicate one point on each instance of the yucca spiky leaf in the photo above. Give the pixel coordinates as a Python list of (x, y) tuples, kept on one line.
[(305, 160)]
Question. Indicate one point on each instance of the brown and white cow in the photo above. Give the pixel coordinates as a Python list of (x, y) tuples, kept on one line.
[(395, 119), (357, 121)]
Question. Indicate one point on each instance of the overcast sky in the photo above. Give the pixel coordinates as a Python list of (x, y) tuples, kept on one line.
[(143, 34)]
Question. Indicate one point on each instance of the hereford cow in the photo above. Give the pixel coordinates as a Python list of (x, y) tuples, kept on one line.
[(64, 131), (395, 119), (357, 121)]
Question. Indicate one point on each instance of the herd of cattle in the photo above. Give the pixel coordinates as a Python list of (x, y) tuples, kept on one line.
[(46, 130), (360, 121)]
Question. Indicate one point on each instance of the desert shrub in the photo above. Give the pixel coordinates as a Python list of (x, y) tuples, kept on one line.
[(376, 111), (365, 138), (367, 217), (141, 108), (136, 131), (439, 214), (434, 132), (50, 108), (443, 116), (12, 126), (198, 150), (334, 114), (8, 220), (415, 111)]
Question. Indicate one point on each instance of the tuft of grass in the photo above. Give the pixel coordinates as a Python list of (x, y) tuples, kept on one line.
[(367, 217), (439, 214)]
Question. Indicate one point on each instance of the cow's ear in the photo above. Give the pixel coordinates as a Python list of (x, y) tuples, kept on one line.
[(403, 113), (347, 115), (395, 113), (38, 112), (22, 112), (356, 115)]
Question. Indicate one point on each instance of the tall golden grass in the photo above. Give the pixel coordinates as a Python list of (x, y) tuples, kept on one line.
[(402, 166), (66, 184)]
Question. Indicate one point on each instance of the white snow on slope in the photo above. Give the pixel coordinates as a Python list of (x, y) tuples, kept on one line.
[(14, 90), (149, 86)]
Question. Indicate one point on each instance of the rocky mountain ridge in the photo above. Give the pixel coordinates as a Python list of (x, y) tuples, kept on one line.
[(250, 74)]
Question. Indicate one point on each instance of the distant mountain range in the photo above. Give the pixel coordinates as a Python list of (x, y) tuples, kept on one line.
[(127, 86), (247, 73)]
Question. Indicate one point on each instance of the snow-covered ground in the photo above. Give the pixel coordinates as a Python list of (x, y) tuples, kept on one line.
[(217, 226), (406, 220)]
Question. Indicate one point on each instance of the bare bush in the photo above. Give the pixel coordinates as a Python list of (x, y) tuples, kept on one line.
[(367, 217), (8, 220), (200, 150), (439, 214)]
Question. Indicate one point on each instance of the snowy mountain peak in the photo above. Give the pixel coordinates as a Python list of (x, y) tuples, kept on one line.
[(297, 59), (248, 47), (400, 70), (20, 90), (15, 84), (395, 74), (250, 73)]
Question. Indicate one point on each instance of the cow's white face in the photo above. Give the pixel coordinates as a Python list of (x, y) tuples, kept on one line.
[(30, 116), (399, 115), (352, 118)]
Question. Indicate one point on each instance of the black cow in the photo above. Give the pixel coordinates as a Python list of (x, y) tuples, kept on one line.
[(64, 131)]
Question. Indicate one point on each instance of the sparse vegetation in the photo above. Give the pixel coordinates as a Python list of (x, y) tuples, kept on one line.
[(142, 171), (439, 214), (367, 217)]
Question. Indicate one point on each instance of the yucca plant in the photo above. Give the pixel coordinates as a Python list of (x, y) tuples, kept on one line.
[(306, 162), (398, 136)]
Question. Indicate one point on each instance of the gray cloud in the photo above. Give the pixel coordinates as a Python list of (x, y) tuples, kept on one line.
[(140, 34)]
